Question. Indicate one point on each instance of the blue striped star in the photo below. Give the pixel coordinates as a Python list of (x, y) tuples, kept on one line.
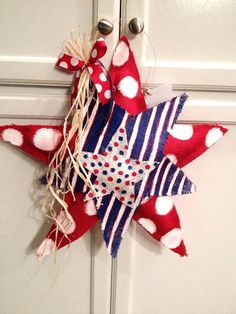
[(146, 135)]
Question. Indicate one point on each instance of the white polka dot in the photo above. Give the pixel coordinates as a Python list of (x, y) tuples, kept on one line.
[(90, 208), (172, 239), (90, 70), (128, 86), (74, 61), (163, 205), (172, 158), (64, 224), (148, 224), (121, 54), (45, 248), (102, 77), (94, 53), (182, 132), (63, 64), (13, 136), (213, 136), (107, 94), (46, 139), (98, 87)]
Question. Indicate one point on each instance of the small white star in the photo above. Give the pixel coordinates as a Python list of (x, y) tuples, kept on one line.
[(116, 172)]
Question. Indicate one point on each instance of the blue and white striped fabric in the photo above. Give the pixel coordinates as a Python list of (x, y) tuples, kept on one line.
[(146, 133)]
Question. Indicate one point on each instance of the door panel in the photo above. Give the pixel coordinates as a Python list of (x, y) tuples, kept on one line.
[(33, 34), (189, 44), (33, 91), (39, 28), (199, 31), (194, 46)]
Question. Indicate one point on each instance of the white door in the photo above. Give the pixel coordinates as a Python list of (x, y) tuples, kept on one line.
[(196, 52), (195, 48), (32, 91)]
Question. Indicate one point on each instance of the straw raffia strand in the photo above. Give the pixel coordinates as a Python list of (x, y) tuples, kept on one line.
[(66, 158)]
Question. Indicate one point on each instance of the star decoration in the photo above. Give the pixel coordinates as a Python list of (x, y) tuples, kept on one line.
[(156, 211), (115, 171), (146, 133)]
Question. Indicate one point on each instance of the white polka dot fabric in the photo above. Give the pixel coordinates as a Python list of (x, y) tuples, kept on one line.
[(13, 136), (46, 139)]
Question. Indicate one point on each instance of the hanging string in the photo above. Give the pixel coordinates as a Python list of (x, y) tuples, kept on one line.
[(148, 80)]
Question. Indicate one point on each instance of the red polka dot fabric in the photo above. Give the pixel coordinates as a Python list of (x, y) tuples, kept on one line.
[(126, 80)]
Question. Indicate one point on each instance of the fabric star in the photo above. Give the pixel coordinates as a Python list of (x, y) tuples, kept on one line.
[(146, 133), (115, 171), (157, 215)]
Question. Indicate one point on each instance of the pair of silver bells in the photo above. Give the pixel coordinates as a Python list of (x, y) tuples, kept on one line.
[(136, 26)]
